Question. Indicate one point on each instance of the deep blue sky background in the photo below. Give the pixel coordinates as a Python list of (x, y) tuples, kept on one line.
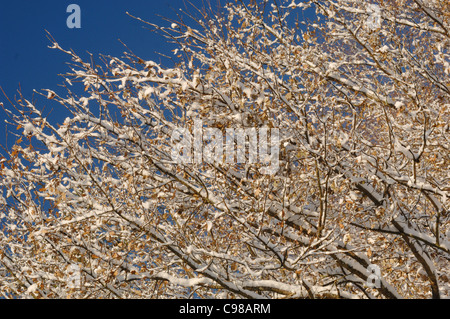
[(28, 63), (25, 58)]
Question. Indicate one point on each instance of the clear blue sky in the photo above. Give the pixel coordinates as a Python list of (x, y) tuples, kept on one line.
[(25, 58)]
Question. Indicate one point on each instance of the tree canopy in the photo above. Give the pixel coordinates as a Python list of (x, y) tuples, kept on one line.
[(361, 100)]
